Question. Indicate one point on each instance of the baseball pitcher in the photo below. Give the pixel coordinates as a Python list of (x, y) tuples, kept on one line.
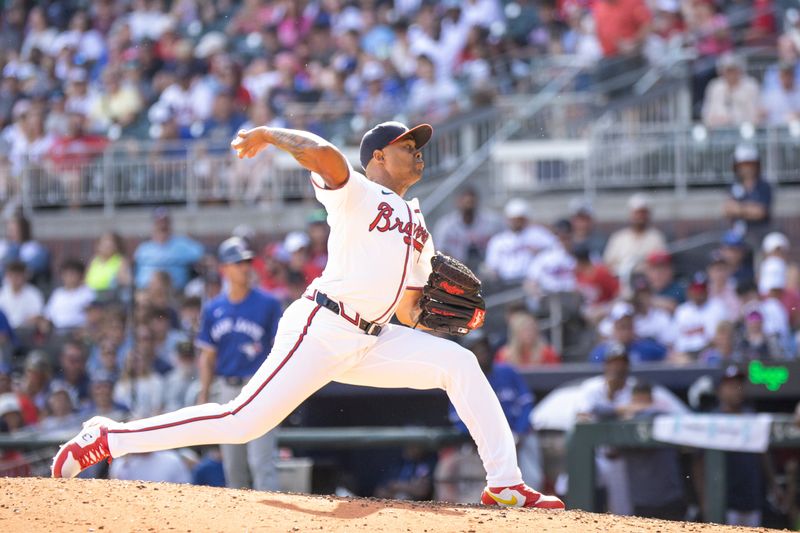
[(381, 264)]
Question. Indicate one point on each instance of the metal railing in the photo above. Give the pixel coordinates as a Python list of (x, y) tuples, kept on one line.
[(649, 156), (194, 173)]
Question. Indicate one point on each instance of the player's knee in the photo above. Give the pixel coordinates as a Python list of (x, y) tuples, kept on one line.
[(462, 363)]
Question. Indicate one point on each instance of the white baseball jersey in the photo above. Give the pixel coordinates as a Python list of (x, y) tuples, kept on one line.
[(696, 325), (378, 247), (510, 254)]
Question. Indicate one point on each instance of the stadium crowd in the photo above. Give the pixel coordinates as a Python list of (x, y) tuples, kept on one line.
[(79, 75)]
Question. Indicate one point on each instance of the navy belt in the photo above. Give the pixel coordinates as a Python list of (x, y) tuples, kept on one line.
[(370, 328)]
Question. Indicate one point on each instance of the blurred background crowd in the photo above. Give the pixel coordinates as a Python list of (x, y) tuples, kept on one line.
[(77, 75), (112, 332)]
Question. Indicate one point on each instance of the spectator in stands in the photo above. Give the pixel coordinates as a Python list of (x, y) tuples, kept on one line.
[(780, 105), (749, 207), (668, 292), (432, 96), (72, 152), (622, 27), (584, 232), (21, 302), (109, 269), (12, 462), (465, 232), (374, 103), (776, 245), (271, 271), (755, 344), (737, 254), (296, 245), (118, 104), (772, 288), (628, 246), (61, 417), (102, 399), (36, 381), (181, 382), (166, 338), (775, 268), (596, 284), (708, 28), (649, 321), (509, 254), (776, 319), (318, 231), (224, 121), (165, 251), (140, 389), (620, 325), (722, 350), (654, 475), (721, 285), (66, 308), (19, 245), (696, 320), (207, 269), (517, 403), (731, 99), (552, 271), (526, 348), (8, 339), (73, 376), (190, 316)]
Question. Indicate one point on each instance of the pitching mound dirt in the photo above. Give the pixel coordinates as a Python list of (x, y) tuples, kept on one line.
[(57, 505)]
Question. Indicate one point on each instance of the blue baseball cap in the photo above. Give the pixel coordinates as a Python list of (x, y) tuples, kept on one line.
[(387, 133), (234, 250), (733, 238)]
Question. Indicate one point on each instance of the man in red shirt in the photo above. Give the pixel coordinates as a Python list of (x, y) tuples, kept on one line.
[(622, 27), (595, 282), (71, 154)]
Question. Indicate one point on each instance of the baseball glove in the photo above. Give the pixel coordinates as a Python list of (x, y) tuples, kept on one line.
[(451, 301)]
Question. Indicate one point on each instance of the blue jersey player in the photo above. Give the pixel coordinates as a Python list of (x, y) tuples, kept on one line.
[(237, 330)]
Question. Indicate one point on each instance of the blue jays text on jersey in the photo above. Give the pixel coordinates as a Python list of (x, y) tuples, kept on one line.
[(241, 333)]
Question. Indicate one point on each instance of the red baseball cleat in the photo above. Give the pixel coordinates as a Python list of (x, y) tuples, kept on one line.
[(519, 496), (86, 449)]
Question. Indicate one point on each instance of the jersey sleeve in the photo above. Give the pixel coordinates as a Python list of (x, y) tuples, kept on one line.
[(352, 191), (203, 339)]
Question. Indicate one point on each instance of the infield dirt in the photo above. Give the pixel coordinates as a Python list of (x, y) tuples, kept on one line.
[(95, 506)]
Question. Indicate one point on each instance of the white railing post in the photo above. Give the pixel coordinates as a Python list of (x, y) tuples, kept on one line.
[(25, 188), (108, 183), (191, 179), (680, 166)]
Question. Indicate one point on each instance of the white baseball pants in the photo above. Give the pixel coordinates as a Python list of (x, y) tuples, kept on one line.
[(314, 346)]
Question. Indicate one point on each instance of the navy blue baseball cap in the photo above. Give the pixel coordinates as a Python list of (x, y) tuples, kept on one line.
[(387, 133), (234, 250)]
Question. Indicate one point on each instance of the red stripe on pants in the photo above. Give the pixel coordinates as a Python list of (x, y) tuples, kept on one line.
[(242, 406)]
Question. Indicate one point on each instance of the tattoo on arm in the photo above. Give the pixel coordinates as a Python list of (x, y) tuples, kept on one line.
[(294, 141), (313, 153)]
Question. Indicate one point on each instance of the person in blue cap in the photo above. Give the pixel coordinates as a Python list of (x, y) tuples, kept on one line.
[(237, 330)]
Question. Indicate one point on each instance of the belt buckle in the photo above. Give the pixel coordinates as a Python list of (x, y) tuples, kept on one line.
[(373, 328)]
